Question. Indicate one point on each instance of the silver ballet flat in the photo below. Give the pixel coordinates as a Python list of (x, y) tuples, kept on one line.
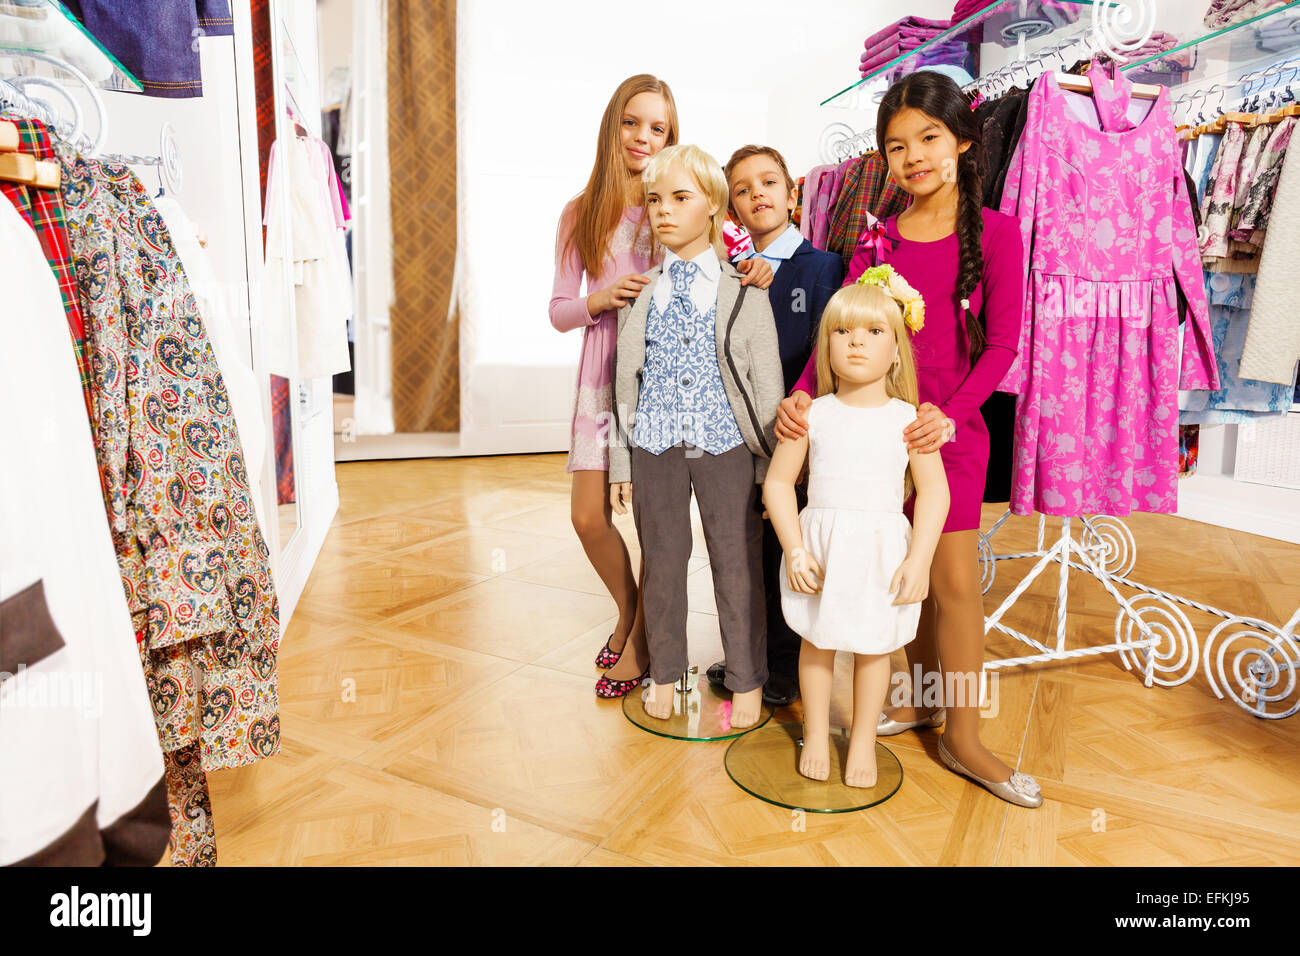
[(886, 727), (1022, 789)]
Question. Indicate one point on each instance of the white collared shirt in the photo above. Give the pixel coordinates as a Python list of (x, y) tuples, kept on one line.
[(704, 290), (780, 248)]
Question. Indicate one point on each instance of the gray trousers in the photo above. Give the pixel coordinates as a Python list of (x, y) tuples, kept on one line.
[(733, 531)]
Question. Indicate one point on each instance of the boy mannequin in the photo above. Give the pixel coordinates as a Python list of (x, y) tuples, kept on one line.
[(698, 378), (762, 196)]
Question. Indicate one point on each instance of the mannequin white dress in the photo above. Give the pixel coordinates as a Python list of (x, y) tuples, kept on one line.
[(854, 528)]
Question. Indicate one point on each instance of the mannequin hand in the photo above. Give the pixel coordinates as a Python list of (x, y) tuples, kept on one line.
[(792, 416), (617, 294), (803, 572), (911, 582), (757, 272), (620, 496), (931, 430)]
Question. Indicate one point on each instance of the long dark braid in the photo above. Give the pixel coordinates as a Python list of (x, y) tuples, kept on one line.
[(940, 98), (970, 236)]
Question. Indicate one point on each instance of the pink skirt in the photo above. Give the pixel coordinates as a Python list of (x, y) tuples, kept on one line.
[(593, 400)]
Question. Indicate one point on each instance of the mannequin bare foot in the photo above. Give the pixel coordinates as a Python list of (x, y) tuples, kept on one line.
[(746, 707), (815, 755), (977, 758), (860, 765), (659, 702)]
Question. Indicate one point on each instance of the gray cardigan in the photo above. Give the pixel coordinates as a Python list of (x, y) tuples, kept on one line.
[(748, 358)]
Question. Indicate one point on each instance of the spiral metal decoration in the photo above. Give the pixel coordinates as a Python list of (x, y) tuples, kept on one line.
[(988, 564), (1121, 27), (1175, 656), (1264, 671), (1110, 544), (169, 155), (832, 144)]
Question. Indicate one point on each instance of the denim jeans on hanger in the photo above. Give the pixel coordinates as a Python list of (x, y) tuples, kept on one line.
[(156, 40)]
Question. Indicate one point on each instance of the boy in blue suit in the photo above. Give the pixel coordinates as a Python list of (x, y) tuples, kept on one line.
[(762, 196)]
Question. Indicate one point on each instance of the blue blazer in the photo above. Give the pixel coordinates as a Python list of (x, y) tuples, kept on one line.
[(798, 294)]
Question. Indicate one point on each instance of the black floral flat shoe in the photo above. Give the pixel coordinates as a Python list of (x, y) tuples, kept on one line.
[(613, 689), (608, 658)]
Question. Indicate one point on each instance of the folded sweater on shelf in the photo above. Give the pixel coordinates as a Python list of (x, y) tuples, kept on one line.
[(908, 26), (953, 54), (966, 8)]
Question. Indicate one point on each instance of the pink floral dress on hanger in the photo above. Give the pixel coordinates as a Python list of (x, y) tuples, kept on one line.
[(1109, 244)]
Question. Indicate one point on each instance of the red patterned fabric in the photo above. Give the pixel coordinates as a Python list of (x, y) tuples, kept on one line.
[(43, 210), (867, 189), (264, 91), (282, 425)]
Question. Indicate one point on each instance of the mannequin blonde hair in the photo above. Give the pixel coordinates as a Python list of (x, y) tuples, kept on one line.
[(706, 172), (861, 307)]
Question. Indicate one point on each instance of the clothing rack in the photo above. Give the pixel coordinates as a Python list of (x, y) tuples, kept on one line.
[(1250, 97)]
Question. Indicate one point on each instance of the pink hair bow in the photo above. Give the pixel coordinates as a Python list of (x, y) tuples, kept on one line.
[(875, 240)]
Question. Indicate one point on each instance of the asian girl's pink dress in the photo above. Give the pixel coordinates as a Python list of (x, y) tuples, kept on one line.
[(593, 401), (1109, 243)]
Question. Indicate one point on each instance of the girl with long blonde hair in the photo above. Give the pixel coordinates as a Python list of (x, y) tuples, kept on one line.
[(604, 238)]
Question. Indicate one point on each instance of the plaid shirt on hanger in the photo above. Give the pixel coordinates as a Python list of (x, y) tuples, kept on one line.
[(43, 210), (867, 189)]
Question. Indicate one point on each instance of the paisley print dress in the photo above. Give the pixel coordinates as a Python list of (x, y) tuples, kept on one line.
[(194, 563)]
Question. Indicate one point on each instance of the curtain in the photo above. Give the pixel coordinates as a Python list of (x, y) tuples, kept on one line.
[(422, 156)]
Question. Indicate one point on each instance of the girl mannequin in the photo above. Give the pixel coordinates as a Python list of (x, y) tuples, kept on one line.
[(836, 588), (605, 237), (966, 262)]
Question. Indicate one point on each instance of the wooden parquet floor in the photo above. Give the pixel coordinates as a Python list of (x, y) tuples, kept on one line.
[(437, 708)]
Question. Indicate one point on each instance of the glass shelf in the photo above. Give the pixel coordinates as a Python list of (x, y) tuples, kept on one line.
[(1235, 49), (1028, 25), (59, 34)]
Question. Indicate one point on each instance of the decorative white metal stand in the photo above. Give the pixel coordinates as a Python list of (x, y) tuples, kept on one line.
[(1151, 630)]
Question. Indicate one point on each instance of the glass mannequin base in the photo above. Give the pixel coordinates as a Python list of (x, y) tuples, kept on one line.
[(700, 711), (765, 764)]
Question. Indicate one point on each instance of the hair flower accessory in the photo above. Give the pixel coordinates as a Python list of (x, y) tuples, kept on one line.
[(898, 289)]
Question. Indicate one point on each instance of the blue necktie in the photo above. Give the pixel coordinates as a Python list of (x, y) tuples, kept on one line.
[(682, 274)]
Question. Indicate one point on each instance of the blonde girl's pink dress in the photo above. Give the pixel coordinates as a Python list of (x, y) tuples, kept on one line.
[(1109, 245), (593, 401)]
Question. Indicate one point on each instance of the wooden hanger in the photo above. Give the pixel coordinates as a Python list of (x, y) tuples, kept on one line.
[(8, 137), (1082, 84), (1220, 124), (1279, 115), (48, 174), (18, 168)]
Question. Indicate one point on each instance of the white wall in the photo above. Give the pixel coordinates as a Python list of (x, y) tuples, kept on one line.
[(335, 31)]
